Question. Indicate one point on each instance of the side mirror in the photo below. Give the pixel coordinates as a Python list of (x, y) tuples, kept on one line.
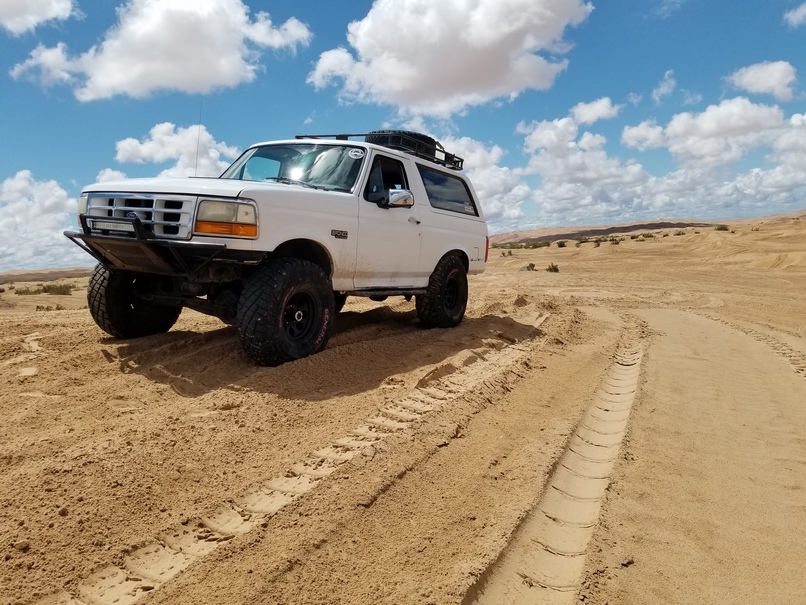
[(397, 198)]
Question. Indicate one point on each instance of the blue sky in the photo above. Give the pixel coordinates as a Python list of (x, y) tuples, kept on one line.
[(567, 112)]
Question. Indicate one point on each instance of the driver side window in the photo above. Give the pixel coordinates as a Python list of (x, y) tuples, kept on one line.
[(386, 174)]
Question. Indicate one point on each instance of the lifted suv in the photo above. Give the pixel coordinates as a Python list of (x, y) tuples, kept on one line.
[(278, 241)]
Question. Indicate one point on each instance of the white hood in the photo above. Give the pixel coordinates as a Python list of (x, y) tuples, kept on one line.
[(179, 185)]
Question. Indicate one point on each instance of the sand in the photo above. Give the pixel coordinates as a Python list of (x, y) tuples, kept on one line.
[(631, 429)]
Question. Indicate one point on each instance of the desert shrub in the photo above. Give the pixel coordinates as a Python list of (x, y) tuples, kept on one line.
[(58, 289), (634, 236), (732, 231), (679, 232), (583, 240), (756, 229), (47, 289), (540, 244), (721, 228), (577, 245), (648, 235), (614, 241), (530, 267), (509, 252), (49, 308), (665, 235), (561, 243), (552, 268), (2, 290), (597, 243)]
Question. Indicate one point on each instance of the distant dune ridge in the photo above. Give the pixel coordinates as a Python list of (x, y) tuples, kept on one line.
[(45, 274), (550, 233)]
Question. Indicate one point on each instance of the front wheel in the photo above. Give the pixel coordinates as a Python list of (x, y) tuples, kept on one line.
[(285, 312), (119, 303), (445, 300)]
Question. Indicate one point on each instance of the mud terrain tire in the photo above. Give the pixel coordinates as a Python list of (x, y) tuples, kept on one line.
[(285, 312), (115, 303), (444, 303)]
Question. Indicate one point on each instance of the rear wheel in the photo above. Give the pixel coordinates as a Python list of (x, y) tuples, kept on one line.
[(445, 300), (118, 302), (285, 312)]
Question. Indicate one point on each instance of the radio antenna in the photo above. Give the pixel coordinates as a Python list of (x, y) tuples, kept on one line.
[(198, 141)]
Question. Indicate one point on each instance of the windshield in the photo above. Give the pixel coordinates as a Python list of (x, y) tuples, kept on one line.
[(323, 166)]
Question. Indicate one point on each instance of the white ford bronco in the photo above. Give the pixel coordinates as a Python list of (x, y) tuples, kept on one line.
[(278, 241)]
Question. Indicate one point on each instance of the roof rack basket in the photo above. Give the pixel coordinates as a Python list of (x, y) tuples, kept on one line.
[(415, 144)]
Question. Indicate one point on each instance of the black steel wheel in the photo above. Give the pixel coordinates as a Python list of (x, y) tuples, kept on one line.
[(445, 300), (285, 312)]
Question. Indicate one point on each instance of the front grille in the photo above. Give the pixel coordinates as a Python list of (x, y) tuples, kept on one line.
[(164, 217)]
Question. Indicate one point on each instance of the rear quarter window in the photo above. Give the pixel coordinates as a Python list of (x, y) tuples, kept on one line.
[(447, 192)]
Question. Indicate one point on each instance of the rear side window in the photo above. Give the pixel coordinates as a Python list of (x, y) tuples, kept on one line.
[(447, 192)]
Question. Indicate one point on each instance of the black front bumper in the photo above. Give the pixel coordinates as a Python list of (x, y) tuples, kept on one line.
[(140, 251)]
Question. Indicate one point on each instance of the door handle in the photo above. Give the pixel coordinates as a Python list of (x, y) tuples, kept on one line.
[(414, 220)]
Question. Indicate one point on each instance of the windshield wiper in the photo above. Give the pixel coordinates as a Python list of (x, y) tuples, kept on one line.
[(288, 181)]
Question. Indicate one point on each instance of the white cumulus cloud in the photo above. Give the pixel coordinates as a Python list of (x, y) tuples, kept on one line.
[(109, 174), (193, 149), (797, 16), (771, 77), (33, 215), (647, 135), (789, 148), (578, 180), (589, 113), (580, 183), (438, 58), (20, 16), (193, 47), (720, 135)]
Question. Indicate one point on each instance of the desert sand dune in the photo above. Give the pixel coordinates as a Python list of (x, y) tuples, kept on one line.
[(630, 429)]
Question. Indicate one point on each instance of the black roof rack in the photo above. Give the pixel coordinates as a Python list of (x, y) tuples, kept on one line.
[(419, 145)]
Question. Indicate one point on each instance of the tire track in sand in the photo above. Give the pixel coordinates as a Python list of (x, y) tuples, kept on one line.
[(545, 559), (795, 359), (148, 568)]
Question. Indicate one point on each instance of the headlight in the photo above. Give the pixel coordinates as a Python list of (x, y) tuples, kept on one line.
[(82, 207), (216, 217)]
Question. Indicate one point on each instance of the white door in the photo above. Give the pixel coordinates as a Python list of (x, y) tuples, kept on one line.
[(388, 238)]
